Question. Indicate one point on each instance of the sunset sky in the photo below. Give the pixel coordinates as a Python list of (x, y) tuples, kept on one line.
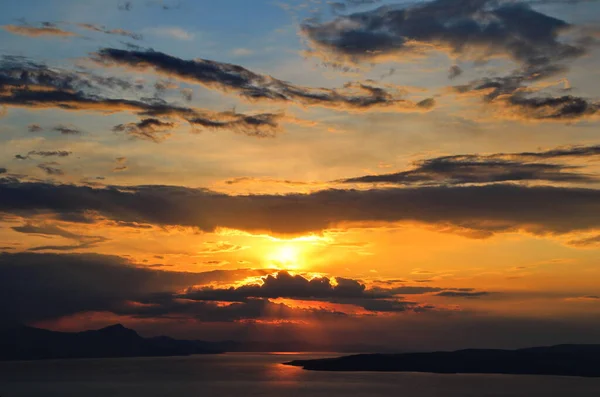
[(413, 174)]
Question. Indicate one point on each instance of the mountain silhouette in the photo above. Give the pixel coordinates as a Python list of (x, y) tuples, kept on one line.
[(566, 360), (28, 343)]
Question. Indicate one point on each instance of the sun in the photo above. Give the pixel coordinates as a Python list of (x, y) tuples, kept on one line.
[(285, 257)]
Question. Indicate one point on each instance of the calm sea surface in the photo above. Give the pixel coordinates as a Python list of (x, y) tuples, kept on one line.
[(260, 375)]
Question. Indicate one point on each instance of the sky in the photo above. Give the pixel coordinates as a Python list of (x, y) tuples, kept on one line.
[(414, 175)]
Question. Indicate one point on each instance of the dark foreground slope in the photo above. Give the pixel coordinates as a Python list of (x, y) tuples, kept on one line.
[(567, 360), (27, 343)]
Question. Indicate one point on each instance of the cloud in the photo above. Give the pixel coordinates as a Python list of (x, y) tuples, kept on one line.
[(20, 73), (560, 152), (253, 309), (43, 153), (49, 153), (172, 32), (187, 94), (165, 4), (586, 298), (566, 107), (103, 29), (286, 285), (253, 86), (283, 285), (150, 129), (50, 169), (454, 71), (463, 294), (511, 98), (34, 128), (47, 286), (406, 290), (341, 6), (67, 130), (50, 230), (498, 167), (242, 52), (469, 210), (249, 180), (476, 29), (125, 6), (220, 247), (588, 242), (47, 29), (121, 164), (30, 85)]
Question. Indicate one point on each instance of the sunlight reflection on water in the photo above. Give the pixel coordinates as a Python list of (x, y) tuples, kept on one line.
[(251, 374)]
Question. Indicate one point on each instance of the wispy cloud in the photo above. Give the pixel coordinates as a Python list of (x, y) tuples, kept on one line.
[(46, 29), (490, 168), (171, 32), (253, 86)]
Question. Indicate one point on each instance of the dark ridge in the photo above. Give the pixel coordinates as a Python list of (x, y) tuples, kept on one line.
[(28, 343)]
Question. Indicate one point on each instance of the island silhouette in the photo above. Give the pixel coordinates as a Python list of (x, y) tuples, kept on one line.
[(564, 360)]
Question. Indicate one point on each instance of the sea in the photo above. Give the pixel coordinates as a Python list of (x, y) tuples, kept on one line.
[(245, 375)]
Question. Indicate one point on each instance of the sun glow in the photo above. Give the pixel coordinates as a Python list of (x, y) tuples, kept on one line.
[(285, 257)]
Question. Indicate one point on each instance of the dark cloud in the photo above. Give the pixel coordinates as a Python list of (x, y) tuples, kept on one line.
[(498, 167), (150, 129), (27, 84), (285, 285), (392, 306), (164, 85), (468, 28), (103, 29), (165, 306), (454, 71), (50, 230), (566, 107), (463, 294), (47, 29), (67, 130), (45, 230), (44, 153), (46, 286), (20, 73), (165, 4), (50, 169), (561, 152), (482, 210), (406, 290), (187, 94), (125, 6), (259, 125), (514, 99), (49, 153), (121, 164), (342, 6), (34, 128), (587, 298), (233, 78), (588, 242)]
